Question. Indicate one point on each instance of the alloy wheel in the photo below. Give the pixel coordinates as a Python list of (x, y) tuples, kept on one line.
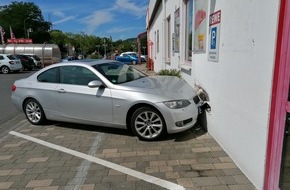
[(5, 70), (148, 124), (34, 112)]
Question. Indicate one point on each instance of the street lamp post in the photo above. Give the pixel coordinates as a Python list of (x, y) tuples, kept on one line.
[(28, 31), (25, 27), (105, 45), (98, 47), (133, 47), (144, 47)]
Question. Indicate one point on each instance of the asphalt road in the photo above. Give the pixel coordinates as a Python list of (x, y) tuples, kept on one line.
[(7, 110)]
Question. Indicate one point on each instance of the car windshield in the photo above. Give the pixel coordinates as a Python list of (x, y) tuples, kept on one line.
[(118, 73), (36, 57), (133, 54), (12, 57)]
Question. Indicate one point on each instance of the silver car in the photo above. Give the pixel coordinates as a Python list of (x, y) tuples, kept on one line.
[(107, 93)]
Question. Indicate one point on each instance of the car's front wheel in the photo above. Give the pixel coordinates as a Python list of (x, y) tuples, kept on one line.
[(148, 124), (34, 112), (5, 70)]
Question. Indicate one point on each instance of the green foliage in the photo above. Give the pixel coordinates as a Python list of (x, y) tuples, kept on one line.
[(21, 16), (94, 56), (170, 72)]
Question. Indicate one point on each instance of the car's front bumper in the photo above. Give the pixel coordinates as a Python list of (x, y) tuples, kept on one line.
[(178, 120)]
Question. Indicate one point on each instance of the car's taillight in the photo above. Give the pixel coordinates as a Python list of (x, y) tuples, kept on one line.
[(11, 62), (13, 88)]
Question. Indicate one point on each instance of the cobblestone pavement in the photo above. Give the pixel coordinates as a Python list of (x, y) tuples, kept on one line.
[(71, 156)]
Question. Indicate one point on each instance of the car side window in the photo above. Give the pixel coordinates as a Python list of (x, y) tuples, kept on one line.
[(76, 75), (50, 76), (1, 57)]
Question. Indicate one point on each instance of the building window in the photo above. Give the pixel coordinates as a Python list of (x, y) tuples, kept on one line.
[(157, 41), (176, 30), (188, 30), (168, 38)]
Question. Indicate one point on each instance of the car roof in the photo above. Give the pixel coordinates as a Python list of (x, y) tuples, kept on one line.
[(5, 54), (88, 62)]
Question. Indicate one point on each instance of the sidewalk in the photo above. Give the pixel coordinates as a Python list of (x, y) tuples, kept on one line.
[(142, 67)]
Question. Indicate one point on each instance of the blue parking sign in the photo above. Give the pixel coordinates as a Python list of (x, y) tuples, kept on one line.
[(213, 37)]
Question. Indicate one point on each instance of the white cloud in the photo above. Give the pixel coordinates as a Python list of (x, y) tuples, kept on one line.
[(58, 14), (64, 20), (119, 30), (130, 7), (96, 19)]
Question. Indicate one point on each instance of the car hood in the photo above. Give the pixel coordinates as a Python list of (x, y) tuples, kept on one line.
[(169, 87)]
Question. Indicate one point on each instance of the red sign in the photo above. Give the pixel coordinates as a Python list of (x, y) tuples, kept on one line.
[(215, 18), (19, 41)]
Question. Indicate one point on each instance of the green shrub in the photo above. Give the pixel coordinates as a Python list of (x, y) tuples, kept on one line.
[(94, 56), (170, 72)]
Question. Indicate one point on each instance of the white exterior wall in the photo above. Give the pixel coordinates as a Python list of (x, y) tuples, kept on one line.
[(239, 84)]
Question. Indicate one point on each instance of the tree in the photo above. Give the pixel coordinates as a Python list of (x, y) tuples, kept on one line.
[(21, 16)]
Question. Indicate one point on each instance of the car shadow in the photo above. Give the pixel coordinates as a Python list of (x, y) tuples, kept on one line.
[(199, 129), (91, 128)]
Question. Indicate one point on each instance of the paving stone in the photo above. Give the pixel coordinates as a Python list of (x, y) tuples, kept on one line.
[(49, 175), (224, 165), (202, 167), (158, 163), (242, 187), (5, 172), (39, 183), (216, 187), (173, 162), (17, 172), (227, 180), (241, 179), (85, 187), (205, 181), (185, 182), (225, 159), (5, 185), (38, 159), (5, 157), (232, 171), (172, 175), (46, 188), (114, 178), (152, 169)]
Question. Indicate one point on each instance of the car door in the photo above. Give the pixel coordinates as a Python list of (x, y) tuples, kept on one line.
[(78, 101), (124, 58)]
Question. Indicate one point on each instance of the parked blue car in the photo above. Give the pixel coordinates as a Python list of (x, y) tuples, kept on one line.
[(127, 59)]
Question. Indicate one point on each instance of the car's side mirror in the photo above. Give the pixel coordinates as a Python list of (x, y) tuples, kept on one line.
[(95, 84)]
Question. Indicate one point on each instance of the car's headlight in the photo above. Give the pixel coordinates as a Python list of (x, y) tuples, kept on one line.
[(176, 104)]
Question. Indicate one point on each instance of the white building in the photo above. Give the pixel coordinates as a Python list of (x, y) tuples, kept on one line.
[(239, 53)]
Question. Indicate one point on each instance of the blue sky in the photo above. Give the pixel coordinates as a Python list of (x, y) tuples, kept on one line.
[(120, 19)]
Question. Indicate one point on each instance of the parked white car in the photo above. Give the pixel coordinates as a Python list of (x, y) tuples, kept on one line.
[(9, 62), (143, 57)]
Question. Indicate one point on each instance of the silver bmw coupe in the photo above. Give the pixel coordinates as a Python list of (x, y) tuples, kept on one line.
[(107, 93)]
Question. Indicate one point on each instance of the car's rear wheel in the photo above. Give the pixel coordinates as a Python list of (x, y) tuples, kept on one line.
[(148, 124), (34, 112), (5, 70)]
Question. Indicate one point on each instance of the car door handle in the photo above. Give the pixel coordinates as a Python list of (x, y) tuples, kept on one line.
[(61, 91)]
